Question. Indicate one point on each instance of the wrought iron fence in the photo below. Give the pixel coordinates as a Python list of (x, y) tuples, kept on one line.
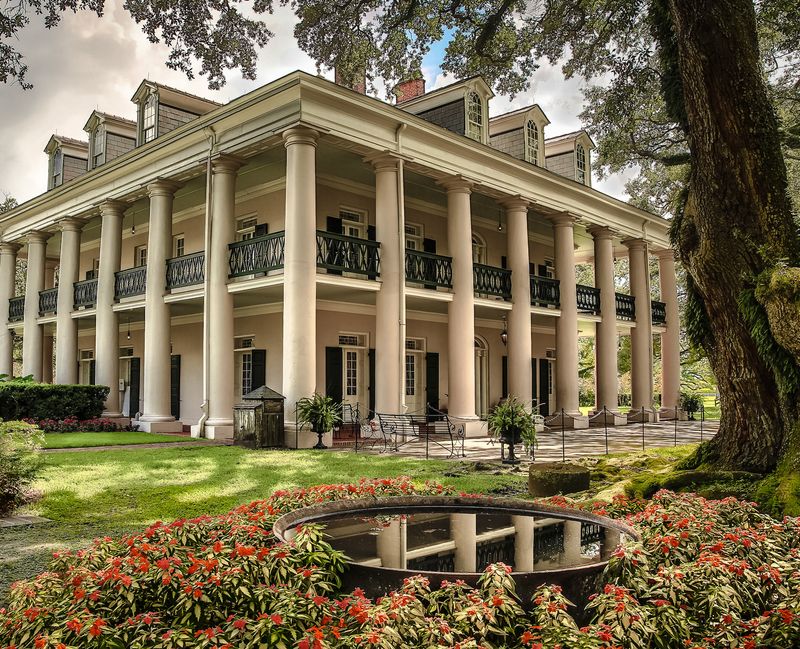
[(186, 270), (495, 551), (48, 301), (490, 280), (625, 306), (429, 269), (84, 293), (658, 312), (545, 291), (340, 253), (588, 298), (257, 255), (16, 308), (130, 282)]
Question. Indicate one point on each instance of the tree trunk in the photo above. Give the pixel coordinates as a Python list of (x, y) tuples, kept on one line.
[(737, 220)]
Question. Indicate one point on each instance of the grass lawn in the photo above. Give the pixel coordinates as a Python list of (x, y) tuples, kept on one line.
[(78, 440), (90, 494)]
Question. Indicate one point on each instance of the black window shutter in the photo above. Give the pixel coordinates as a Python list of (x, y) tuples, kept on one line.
[(135, 381), (372, 378), (503, 262), (372, 233), (334, 256), (262, 229), (531, 268), (544, 379), (334, 224), (91, 372), (373, 259), (175, 385), (432, 379), (259, 357), (429, 245), (505, 376), (333, 373), (542, 270), (533, 380)]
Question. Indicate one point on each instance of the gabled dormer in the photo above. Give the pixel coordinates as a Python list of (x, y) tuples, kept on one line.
[(461, 107), (67, 159), (161, 109), (569, 155), (520, 133), (109, 137)]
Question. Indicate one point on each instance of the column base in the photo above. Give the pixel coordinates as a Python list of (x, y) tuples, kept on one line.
[(572, 420), (635, 416), (219, 432), (612, 418), (119, 420), (110, 414), (171, 426), (668, 414)]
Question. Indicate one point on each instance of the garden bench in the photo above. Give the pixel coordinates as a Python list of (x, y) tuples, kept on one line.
[(436, 428)]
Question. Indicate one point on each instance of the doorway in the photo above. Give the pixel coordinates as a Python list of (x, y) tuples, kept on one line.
[(481, 377)]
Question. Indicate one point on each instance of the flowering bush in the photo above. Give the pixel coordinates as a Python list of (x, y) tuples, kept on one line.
[(19, 449), (705, 574), (74, 425)]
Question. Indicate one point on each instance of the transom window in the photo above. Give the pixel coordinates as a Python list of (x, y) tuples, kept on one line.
[(352, 340), (149, 119), (532, 142), (58, 167), (580, 162), (246, 228), (353, 223), (98, 147), (474, 116), (414, 236)]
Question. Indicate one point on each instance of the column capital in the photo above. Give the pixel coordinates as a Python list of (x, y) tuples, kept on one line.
[(515, 203), (71, 224), (383, 161), (666, 253), (37, 236), (225, 163), (162, 187), (635, 244), (300, 135), (9, 247), (600, 232), (112, 207), (456, 185), (562, 220)]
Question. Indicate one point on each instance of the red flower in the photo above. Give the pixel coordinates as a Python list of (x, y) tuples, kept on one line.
[(276, 619)]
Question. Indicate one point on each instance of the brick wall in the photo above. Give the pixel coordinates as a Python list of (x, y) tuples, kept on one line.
[(511, 142), (73, 167), (563, 164), (170, 118), (450, 116), (117, 145)]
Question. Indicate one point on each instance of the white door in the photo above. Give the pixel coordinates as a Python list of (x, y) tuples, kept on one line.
[(354, 378), (415, 387)]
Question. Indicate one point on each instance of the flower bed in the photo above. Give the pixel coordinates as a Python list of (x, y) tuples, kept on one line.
[(74, 425), (705, 574)]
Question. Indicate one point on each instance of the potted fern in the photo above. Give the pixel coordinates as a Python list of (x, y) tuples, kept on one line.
[(513, 423), (321, 413)]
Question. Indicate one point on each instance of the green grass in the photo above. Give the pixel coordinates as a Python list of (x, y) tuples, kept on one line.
[(82, 440)]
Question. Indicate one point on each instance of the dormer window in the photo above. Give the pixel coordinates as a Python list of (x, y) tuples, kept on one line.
[(532, 142), (580, 163), (57, 174), (149, 118), (474, 116), (98, 147)]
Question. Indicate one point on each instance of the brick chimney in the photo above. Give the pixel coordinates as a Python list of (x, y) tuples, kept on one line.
[(409, 89), (358, 83)]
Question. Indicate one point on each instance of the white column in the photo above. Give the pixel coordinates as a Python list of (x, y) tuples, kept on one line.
[(567, 323), (461, 311), (391, 544), (106, 351), (519, 320), (300, 272), (463, 531), (670, 340), (156, 416), (8, 271), (605, 341), (388, 309), (523, 543), (66, 325), (642, 333), (572, 543), (32, 335), (220, 318)]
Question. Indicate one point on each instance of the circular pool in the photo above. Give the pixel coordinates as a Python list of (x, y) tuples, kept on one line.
[(448, 538)]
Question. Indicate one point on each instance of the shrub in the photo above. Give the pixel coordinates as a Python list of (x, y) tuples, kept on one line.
[(19, 446), (73, 425), (20, 399)]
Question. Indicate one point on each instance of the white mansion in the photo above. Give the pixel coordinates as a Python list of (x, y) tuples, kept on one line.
[(309, 237)]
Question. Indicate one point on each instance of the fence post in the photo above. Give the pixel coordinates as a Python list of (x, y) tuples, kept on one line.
[(676, 425), (605, 426), (642, 416), (563, 438), (427, 440), (702, 419), (296, 429)]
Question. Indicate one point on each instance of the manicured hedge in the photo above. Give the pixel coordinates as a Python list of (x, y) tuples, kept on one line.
[(28, 400)]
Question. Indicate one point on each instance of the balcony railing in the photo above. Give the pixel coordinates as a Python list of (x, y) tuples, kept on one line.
[(588, 298), (256, 255), (545, 291), (48, 301), (84, 293), (626, 306), (658, 312), (186, 270), (130, 282), (340, 253), (490, 280), (16, 308), (429, 269)]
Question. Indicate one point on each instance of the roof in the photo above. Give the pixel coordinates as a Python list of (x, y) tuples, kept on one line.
[(423, 101), (161, 86), (263, 393), (120, 122), (573, 135), (68, 142)]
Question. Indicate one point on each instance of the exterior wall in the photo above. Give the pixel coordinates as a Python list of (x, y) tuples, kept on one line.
[(73, 167), (117, 145), (563, 164), (187, 341), (450, 116), (170, 118), (510, 142)]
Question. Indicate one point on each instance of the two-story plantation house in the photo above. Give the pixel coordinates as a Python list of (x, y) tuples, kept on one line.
[(310, 238)]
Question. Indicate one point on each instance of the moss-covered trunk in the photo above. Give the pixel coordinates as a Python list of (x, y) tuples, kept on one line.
[(737, 220)]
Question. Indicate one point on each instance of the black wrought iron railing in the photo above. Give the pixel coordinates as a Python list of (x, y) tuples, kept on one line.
[(588, 298), (625, 305), (545, 291), (130, 282), (490, 280), (257, 255), (343, 254), (186, 270), (16, 308), (84, 293), (429, 269), (48, 301), (658, 312)]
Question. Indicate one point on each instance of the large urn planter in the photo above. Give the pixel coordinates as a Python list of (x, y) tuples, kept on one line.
[(513, 423), (321, 413)]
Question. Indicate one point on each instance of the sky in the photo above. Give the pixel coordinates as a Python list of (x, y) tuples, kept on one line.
[(89, 63)]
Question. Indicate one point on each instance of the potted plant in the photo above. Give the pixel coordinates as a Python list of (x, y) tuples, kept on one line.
[(512, 422), (319, 412), (690, 402)]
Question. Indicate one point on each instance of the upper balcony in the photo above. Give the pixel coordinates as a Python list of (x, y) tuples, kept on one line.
[(48, 301), (16, 308), (490, 280)]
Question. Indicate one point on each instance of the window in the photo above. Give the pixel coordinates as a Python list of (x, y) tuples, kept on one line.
[(243, 342), (351, 373), (580, 163), (58, 168), (178, 245), (98, 147), (411, 374), (353, 223), (474, 116), (247, 372), (149, 118), (478, 249), (532, 142), (352, 340), (126, 352), (414, 236), (246, 228), (140, 256)]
